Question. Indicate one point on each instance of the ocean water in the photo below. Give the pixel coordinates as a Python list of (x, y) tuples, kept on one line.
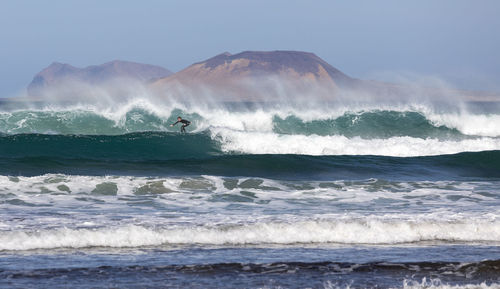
[(253, 196)]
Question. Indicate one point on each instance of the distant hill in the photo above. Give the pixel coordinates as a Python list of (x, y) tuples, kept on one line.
[(238, 75), (246, 76), (294, 64), (59, 73)]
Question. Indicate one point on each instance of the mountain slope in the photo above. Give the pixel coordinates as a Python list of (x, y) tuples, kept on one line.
[(288, 64), (256, 75)]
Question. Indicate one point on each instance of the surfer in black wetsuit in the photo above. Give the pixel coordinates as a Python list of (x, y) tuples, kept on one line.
[(184, 122)]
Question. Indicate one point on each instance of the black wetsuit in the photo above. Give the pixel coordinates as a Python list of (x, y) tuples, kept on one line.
[(184, 124)]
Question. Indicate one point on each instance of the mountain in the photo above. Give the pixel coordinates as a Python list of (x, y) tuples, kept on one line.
[(58, 74), (294, 64), (248, 74)]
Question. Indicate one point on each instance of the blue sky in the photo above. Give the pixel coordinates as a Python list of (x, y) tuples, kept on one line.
[(454, 40)]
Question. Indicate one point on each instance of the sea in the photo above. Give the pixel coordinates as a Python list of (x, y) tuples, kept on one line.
[(254, 195)]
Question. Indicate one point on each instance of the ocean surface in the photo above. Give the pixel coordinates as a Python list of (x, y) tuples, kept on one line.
[(253, 196)]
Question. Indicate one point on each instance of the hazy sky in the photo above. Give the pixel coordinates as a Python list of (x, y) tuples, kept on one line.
[(454, 40)]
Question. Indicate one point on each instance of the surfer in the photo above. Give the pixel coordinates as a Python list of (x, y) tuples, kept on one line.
[(184, 122)]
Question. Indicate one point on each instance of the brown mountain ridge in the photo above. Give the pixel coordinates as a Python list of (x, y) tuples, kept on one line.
[(59, 73), (245, 76), (255, 75), (287, 64)]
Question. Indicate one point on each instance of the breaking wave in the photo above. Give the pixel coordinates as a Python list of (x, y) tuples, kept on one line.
[(399, 131), (345, 231), (366, 122), (167, 145)]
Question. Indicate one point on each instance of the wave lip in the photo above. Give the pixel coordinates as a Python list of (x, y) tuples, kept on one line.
[(362, 231)]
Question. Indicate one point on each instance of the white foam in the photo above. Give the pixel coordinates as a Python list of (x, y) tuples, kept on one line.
[(368, 230), (258, 120), (433, 283), (62, 186), (469, 124), (211, 193), (271, 143), (437, 284)]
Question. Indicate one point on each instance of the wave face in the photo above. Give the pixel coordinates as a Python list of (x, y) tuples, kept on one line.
[(370, 124), (134, 146), (80, 121)]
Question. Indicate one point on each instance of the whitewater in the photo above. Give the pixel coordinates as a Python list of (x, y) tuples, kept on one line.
[(305, 194)]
